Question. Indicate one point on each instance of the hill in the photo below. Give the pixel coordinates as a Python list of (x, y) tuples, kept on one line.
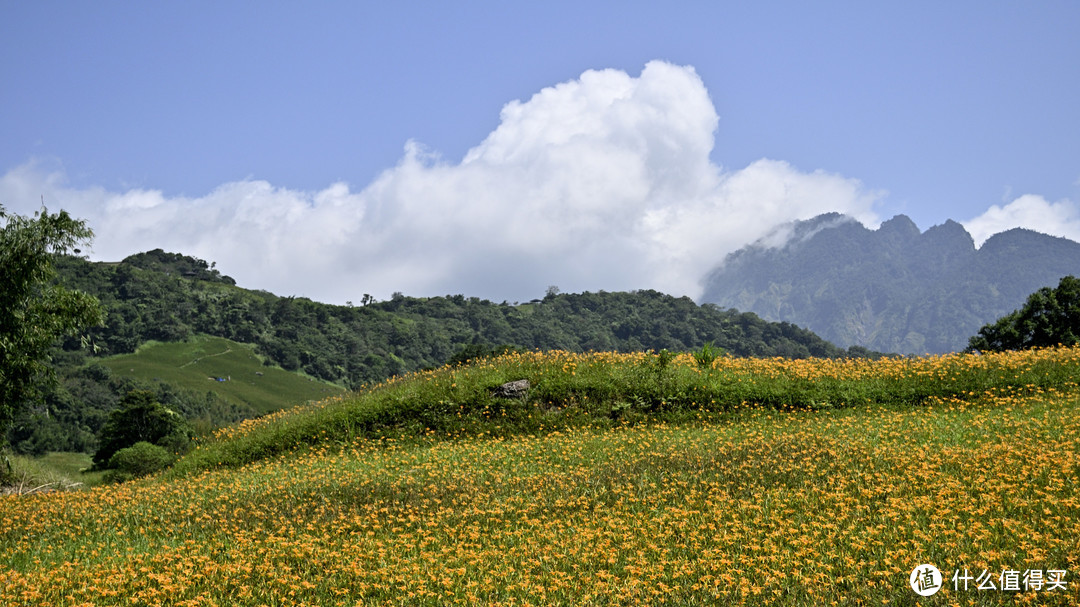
[(708, 488), (606, 389), (893, 289), (157, 296), (168, 298)]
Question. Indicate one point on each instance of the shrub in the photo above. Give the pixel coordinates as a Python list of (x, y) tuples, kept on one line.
[(707, 355), (140, 459)]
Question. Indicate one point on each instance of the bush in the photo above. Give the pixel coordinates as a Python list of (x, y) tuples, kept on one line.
[(140, 459)]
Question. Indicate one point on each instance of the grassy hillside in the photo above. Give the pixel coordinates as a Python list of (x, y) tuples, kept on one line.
[(50, 472), (618, 479), (200, 362), (610, 389)]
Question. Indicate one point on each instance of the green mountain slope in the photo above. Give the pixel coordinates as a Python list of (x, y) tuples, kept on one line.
[(159, 296), (187, 310), (231, 370), (893, 289)]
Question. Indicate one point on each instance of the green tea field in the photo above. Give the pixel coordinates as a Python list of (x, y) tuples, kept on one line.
[(230, 369)]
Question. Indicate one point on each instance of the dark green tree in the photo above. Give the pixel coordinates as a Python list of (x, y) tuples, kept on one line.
[(1050, 317), (141, 418), (34, 311)]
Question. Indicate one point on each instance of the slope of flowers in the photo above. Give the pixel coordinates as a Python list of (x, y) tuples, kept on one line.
[(763, 506), (611, 389)]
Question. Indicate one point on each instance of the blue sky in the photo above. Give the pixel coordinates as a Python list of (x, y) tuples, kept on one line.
[(492, 148)]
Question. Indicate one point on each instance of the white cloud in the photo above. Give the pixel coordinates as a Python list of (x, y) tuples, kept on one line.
[(1029, 211), (603, 182)]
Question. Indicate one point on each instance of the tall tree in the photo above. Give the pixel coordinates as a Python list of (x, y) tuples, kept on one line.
[(34, 311)]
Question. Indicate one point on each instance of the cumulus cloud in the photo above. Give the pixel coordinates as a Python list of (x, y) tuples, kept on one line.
[(602, 182), (1029, 211)]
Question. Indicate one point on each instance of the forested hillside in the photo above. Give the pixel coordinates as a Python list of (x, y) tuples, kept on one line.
[(893, 289), (169, 297)]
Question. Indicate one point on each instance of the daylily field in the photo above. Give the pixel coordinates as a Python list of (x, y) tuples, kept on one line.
[(619, 479)]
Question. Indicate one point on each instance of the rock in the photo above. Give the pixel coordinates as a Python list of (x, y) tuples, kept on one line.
[(512, 389)]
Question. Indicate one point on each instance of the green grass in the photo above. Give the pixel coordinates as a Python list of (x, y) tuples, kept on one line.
[(196, 365), (52, 471)]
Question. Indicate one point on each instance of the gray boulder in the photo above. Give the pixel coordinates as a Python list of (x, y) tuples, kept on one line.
[(512, 389)]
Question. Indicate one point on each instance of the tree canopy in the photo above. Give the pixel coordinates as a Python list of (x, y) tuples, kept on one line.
[(34, 310), (1050, 317)]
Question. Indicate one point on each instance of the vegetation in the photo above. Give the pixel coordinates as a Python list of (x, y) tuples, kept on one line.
[(33, 313), (74, 410), (174, 321), (50, 472), (893, 289), (156, 296), (140, 459), (1050, 317), (814, 482), (183, 377), (141, 419), (233, 371), (570, 390)]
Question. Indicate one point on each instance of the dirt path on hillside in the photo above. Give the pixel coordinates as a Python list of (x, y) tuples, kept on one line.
[(227, 350)]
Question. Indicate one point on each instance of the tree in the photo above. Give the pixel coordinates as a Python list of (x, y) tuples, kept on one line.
[(1050, 317), (140, 418), (34, 311)]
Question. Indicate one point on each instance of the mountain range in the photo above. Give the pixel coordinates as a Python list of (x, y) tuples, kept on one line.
[(893, 289)]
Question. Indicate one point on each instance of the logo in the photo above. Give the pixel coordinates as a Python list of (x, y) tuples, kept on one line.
[(925, 580)]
